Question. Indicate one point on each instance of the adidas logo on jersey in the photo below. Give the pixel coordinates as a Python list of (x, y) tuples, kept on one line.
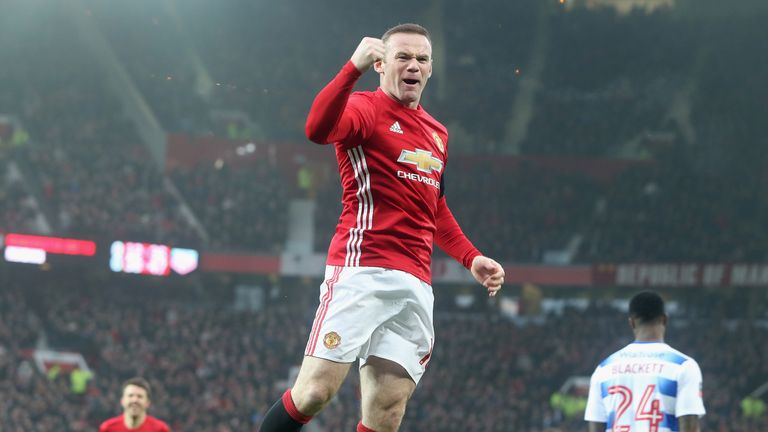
[(396, 128)]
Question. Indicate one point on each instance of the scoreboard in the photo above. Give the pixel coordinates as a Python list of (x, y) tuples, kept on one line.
[(151, 259), (118, 256)]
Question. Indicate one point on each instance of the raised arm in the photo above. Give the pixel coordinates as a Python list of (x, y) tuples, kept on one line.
[(331, 118)]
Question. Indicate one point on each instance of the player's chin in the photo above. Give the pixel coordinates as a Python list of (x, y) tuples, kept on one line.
[(410, 95)]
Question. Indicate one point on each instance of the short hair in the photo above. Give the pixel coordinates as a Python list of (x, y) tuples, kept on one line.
[(406, 28), (646, 307), (139, 382)]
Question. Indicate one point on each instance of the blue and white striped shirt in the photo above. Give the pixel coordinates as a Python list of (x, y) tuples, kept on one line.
[(645, 387)]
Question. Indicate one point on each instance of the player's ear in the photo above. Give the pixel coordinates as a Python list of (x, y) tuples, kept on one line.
[(378, 66)]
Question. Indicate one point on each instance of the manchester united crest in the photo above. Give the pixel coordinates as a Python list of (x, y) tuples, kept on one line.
[(331, 340), (438, 141)]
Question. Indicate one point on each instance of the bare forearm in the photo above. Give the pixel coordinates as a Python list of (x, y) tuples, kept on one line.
[(689, 423), (596, 427)]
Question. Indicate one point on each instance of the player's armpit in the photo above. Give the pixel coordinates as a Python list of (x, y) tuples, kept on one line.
[(596, 427), (689, 423)]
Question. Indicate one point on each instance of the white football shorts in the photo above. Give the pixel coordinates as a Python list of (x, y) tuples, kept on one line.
[(374, 311)]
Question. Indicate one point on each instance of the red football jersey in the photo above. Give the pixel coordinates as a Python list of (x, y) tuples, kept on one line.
[(151, 424), (391, 162)]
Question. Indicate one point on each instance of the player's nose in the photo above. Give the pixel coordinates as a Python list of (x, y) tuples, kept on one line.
[(413, 65)]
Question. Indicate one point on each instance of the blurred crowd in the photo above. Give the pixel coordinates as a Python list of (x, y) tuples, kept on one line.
[(274, 79), (84, 161), (530, 213), (700, 197), (664, 211), (240, 208), (216, 368), (212, 369), (615, 88), (605, 87), (16, 208)]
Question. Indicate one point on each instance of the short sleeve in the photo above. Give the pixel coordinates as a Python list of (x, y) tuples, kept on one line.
[(595, 411), (689, 390)]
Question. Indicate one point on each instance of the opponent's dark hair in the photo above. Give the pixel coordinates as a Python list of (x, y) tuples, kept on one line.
[(646, 307), (139, 382), (406, 28)]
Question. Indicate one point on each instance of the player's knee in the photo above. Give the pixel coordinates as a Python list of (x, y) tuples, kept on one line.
[(388, 416), (395, 417), (391, 418), (312, 398)]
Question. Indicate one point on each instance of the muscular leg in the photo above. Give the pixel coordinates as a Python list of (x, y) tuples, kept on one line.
[(317, 383), (386, 388)]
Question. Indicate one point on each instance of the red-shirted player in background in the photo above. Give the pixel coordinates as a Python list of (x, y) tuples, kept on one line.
[(376, 301), (135, 401)]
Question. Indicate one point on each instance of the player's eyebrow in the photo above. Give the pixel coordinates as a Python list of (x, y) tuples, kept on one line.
[(409, 55)]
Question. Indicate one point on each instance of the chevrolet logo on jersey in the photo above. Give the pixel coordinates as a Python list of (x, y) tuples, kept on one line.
[(423, 160)]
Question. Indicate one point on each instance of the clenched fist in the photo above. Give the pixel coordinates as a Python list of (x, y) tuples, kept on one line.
[(368, 51)]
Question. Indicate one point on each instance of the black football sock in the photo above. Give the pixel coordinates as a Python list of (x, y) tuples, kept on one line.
[(283, 416)]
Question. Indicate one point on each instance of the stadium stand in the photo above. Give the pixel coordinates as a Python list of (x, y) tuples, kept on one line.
[(215, 368), (694, 198), (222, 197), (86, 163)]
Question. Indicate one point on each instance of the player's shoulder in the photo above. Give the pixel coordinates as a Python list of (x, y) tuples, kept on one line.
[(434, 123), (157, 424), (676, 356), (603, 363), (108, 424), (365, 97), (363, 102), (611, 358)]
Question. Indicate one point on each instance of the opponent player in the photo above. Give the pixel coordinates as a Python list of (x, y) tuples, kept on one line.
[(135, 401), (646, 386), (376, 302)]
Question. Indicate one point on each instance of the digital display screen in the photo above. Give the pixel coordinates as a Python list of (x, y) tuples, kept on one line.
[(24, 255), (53, 245), (151, 259)]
